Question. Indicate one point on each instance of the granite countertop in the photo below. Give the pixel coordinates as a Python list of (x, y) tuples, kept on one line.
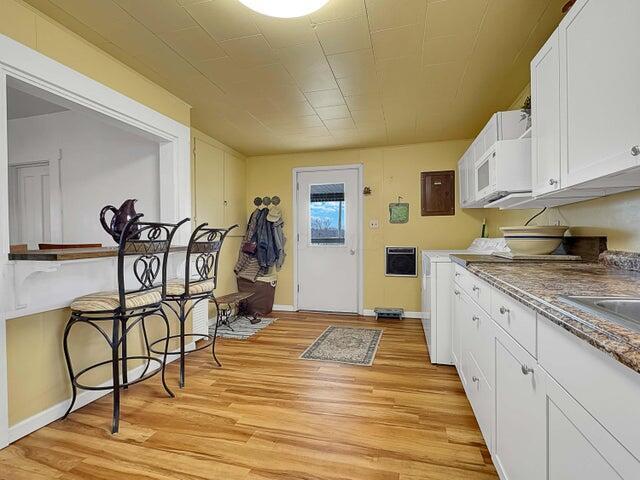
[(539, 284), (65, 254)]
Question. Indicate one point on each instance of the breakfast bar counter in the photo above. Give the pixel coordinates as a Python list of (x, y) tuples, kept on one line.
[(66, 254)]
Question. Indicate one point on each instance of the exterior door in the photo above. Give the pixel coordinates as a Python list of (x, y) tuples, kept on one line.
[(328, 240), (30, 198)]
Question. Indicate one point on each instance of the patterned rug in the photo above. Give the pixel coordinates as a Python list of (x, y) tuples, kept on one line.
[(241, 328), (355, 346)]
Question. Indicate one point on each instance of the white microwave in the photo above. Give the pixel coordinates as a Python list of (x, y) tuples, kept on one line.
[(505, 168)]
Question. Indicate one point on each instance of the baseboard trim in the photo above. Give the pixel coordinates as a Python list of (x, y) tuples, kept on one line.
[(284, 308), (371, 313), (51, 414)]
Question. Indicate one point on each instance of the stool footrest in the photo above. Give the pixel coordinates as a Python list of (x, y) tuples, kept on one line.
[(177, 352), (125, 384)]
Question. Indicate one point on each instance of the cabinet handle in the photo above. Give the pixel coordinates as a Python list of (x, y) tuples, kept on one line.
[(553, 181), (475, 379), (476, 288), (457, 292), (504, 310), (526, 370), (635, 150), (475, 318)]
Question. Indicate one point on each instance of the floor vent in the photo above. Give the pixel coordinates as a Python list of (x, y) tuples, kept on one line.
[(390, 313)]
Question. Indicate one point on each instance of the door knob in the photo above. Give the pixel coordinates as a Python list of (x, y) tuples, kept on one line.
[(635, 150), (352, 252), (553, 181)]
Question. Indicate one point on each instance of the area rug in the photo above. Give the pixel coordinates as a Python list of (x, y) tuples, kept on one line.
[(241, 328), (355, 346)]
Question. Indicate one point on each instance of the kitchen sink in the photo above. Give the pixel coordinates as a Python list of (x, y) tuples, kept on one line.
[(624, 311)]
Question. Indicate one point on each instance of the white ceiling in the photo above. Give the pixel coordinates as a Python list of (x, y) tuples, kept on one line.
[(23, 105), (356, 73)]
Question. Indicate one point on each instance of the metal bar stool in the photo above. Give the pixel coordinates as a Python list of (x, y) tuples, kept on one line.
[(124, 309), (204, 251)]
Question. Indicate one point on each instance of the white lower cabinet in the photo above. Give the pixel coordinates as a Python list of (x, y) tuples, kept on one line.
[(519, 447), (578, 446), (549, 405)]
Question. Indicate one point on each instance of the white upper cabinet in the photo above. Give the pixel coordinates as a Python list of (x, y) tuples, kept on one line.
[(545, 112), (599, 82)]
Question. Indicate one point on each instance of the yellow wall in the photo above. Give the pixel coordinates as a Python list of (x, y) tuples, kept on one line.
[(32, 28), (390, 172), (616, 216)]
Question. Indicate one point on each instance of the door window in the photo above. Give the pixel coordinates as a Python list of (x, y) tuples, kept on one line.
[(327, 220)]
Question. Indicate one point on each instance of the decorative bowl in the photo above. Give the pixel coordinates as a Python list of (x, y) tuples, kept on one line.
[(534, 239)]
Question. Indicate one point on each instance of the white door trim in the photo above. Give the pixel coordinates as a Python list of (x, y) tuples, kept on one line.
[(294, 218), (33, 69)]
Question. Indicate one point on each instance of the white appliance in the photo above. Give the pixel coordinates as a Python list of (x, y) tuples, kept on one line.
[(504, 169), (437, 284)]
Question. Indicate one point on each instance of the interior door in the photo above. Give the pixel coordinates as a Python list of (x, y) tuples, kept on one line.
[(31, 198), (208, 175), (328, 237)]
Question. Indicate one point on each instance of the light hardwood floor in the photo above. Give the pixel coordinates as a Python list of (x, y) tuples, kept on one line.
[(269, 415)]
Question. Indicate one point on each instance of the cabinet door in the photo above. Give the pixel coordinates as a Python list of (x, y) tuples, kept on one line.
[(599, 78), (462, 180), (457, 312), (235, 208), (545, 113), (208, 185), (579, 447), (519, 437)]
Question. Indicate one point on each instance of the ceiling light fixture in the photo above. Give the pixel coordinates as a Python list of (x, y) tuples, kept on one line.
[(284, 8)]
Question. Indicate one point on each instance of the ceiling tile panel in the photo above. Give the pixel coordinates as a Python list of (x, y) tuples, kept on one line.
[(337, 111), (350, 63), (194, 44), (385, 14), (158, 15), (325, 98), (448, 48), (341, 36), (285, 32), (224, 19), (455, 17), (338, 10), (397, 42), (250, 51)]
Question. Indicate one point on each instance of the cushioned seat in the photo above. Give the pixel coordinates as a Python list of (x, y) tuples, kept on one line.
[(104, 301), (176, 287)]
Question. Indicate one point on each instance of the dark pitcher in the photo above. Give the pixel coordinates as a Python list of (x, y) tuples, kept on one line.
[(120, 218)]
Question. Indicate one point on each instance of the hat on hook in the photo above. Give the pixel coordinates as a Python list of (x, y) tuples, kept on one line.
[(275, 213)]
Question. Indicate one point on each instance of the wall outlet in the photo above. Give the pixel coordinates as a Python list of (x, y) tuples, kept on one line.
[(374, 223)]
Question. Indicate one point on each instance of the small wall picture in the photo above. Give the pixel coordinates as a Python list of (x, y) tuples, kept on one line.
[(398, 212)]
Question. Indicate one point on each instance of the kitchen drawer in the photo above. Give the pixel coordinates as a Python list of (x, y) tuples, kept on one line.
[(478, 328), (518, 320), (608, 390), (479, 393), (477, 289)]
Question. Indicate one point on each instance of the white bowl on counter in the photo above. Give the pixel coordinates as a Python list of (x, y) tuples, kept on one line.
[(534, 239)]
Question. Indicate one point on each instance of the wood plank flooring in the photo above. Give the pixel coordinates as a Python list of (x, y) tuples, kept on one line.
[(269, 415)]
